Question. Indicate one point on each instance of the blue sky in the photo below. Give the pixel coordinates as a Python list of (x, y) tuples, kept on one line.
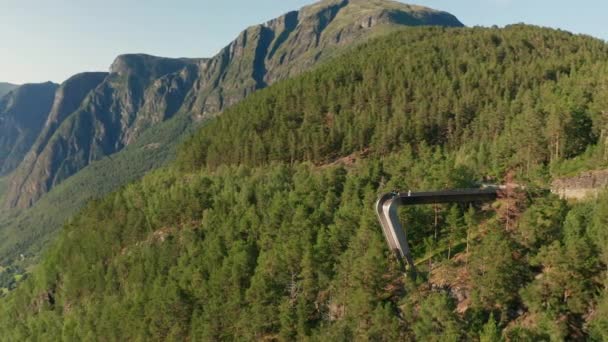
[(44, 40)]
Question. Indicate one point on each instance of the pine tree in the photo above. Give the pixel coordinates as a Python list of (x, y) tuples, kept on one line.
[(490, 331)]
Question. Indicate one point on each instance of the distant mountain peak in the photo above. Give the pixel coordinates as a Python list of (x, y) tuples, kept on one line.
[(147, 65), (370, 5)]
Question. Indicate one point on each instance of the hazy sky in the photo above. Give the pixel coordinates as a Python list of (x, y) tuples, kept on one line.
[(44, 40)]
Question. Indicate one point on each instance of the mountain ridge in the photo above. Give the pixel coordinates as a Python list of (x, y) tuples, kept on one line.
[(23, 112), (6, 88), (142, 90)]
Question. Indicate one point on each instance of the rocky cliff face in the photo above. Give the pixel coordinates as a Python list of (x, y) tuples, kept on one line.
[(94, 115), (295, 42), (22, 116), (582, 186), (140, 91)]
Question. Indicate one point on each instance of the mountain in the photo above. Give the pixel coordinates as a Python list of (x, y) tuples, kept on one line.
[(23, 113), (142, 91), (100, 124), (5, 88), (266, 218)]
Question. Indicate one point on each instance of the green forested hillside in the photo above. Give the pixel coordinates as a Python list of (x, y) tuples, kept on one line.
[(522, 97), (264, 227), (108, 129)]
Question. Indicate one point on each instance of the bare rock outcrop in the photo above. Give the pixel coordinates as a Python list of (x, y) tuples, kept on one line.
[(582, 186)]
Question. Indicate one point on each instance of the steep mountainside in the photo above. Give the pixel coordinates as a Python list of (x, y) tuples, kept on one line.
[(142, 91), (22, 116), (5, 88), (68, 99), (103, 123), (257, 233), (27, 231), (295, 42)]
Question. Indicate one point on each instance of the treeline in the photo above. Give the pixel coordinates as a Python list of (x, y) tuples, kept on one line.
[(521, 97), (254, 235)]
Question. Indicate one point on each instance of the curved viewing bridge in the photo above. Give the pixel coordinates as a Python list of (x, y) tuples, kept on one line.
[(396, 236)]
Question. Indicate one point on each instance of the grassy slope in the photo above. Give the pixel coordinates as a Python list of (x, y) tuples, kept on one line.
[(3, 186)]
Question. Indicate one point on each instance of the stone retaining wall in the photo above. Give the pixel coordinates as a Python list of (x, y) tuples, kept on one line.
[(584, 185)]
